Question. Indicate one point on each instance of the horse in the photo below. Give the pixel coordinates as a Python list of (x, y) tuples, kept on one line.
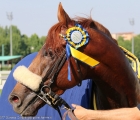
[(59, 66), (80, 96)]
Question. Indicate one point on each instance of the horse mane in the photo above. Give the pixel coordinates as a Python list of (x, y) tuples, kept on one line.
[(89, 22)]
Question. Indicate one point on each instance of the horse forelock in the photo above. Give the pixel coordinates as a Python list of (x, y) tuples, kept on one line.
[(53, 40)]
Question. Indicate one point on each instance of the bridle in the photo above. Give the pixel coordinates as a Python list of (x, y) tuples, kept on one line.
[(50, 97), (76, 33)]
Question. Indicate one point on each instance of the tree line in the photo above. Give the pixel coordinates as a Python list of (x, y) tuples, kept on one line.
[(21, 43), (24, 45), (128, 45)]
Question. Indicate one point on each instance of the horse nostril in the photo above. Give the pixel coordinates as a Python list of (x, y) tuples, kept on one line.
[(14, 99)]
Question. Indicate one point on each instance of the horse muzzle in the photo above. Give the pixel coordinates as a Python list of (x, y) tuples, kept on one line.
[(27, 106)]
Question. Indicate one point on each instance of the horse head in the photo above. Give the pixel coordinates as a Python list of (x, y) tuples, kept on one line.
[(115, 83)]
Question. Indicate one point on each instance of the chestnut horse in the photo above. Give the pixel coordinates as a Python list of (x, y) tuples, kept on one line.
[(115, 83)]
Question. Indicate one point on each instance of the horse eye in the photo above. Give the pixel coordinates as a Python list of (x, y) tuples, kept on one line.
[(51, 54), (45, 53), (48, 53)]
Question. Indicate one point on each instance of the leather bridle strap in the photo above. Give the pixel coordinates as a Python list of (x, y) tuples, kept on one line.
[(50, 97), (54, 101), (53, 71), (79, 72)]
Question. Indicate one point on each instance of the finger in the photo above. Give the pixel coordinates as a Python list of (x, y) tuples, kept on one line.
[(74, 107)]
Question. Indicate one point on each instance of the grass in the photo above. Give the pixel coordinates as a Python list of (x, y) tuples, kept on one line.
[(6, 68), (0, 91)]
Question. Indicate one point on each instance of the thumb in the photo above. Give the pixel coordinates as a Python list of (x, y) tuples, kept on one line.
[(74, 105)]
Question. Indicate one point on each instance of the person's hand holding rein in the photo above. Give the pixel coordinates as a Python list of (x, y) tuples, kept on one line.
[(80, 112), (116, 114)]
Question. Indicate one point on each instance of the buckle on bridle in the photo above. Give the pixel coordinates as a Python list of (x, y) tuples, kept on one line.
[(51, 98)]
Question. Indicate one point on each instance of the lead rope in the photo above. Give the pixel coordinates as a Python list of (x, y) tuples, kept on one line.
[(58, 110), (70, 114)]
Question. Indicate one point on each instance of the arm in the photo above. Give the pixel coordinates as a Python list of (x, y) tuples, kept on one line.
[(116, 114)]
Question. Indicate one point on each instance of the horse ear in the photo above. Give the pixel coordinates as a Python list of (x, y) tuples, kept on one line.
[(62, 15)]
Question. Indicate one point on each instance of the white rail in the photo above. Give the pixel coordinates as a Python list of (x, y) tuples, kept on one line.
[(3, 77)]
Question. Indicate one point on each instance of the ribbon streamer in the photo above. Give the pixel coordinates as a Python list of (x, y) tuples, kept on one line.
[(68, 53), (83, 57), (80, 56)]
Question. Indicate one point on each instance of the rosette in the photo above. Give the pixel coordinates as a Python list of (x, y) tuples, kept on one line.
[(76, 36)]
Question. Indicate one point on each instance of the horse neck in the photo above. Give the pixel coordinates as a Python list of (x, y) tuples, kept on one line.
[(114, 74)]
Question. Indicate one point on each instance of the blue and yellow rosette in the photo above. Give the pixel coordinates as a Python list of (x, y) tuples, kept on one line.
[(76, 36)]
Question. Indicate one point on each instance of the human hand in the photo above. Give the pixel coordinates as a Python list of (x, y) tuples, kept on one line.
[(80, 112)]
